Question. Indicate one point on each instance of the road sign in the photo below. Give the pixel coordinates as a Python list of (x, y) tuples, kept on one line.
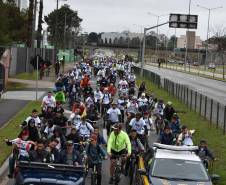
[(183, 21)]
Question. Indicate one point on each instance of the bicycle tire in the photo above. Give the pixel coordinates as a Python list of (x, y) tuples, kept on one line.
[(117, 175), (134, 175), (93, 179)]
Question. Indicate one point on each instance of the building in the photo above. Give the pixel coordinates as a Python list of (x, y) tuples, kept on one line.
[(22, 4), (110, 37), (194, 42)]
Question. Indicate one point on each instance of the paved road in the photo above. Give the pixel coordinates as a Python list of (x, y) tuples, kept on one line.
[(211, 88), (8, 109)]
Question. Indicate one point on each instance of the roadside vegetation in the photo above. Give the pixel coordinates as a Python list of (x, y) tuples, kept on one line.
[(204, 130)]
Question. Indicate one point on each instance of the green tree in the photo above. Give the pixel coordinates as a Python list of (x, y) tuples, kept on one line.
[(13, 24), (40, 21), (93, 37), (73, 22)]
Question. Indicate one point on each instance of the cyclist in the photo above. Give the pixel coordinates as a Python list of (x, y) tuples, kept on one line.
[(122, 83), (98, 98), (132, 79), (159, 107), (95, 153), (20, 152), (141, 89), (118, 144), (204, 153), (100, 138), (143, 103), (113, 115), (34, 116), (175, 125), (84, 129), (149, 122), (140, 126), (166, 137), (106, 100), (185, 138), (168, 111), (48, 101)]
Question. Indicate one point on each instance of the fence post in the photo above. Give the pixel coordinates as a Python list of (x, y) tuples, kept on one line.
[(205, 106), (224, 119), (187, 97), (184, 94), (191, 99), (196, 94), (181, 93), (200, 105), (218, 107), (211, 111)]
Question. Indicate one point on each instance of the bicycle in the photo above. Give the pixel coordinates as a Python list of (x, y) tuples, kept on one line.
[(94, 175), (118, 168)]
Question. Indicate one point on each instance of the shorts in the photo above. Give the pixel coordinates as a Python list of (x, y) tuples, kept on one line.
[(114, 154)]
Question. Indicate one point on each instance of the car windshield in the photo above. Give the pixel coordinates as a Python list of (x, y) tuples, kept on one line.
[(179, 170)]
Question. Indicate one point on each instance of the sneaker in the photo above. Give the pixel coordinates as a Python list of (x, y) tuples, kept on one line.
[(111, 181)]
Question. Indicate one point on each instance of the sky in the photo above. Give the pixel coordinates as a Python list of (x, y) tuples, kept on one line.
[(119, 15)]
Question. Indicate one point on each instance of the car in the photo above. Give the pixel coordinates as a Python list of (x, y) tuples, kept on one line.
[(176, 165), (34, 173), (211, 66)]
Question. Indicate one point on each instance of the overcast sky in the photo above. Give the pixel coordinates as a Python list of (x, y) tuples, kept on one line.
[(119, 15)]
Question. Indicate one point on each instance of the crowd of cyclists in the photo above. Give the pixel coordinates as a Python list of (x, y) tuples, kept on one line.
[(100, 93)]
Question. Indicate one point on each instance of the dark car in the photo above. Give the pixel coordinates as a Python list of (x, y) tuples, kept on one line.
[(31, 173)]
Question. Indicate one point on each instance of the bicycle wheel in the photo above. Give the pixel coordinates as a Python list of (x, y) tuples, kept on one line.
[(93, 179), (117, 175), (133, 177)]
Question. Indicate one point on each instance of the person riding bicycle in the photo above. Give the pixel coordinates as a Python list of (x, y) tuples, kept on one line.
[(88, 91), (113, 115), (48, 101), (95, 153), (204, 153), (185, 138), (140, 126), (168, 111), (123, 83), (70, 156), (100, 139), (149, 122), (143, 103), (112, 89), (106, 100), (167, 137), (175, 125), (84, 129), (118, 144), (98, 95), (132, 79), (137, 147), (122, 102), (34, 116), (21, 148), (159, 108)]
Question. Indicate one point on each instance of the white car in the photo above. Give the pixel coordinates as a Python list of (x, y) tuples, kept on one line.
[(174, 165)]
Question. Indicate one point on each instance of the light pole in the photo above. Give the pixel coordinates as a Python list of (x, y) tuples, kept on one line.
[(157, 29), (208, 27), (141, 30)]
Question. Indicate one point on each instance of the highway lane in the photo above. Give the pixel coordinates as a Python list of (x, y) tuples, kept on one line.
[(212, 88)]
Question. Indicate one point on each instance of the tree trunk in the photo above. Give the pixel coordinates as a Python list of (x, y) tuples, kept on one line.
[(29, 24), (39, 33)]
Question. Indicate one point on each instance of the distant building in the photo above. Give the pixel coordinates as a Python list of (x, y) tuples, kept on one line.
[(192, 41)]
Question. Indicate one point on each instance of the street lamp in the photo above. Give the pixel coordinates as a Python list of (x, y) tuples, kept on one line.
[(208, 27), (140, 38), (157, 29)]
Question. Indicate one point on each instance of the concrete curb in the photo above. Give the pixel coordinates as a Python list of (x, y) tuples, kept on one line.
[(4, 167)]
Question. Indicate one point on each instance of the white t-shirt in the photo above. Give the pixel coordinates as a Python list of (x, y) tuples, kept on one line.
[(106, 99), (138, 125), (49, 131), (84, 129), (49, 102), (98, 95), (159, 108), (123, 83), (114, 114), (142, 102), (37, 120), (23, 146)]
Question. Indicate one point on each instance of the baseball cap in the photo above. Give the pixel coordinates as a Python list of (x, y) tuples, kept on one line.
[(69, 142)]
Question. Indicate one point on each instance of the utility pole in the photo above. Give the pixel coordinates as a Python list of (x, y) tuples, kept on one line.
[(34, 25)]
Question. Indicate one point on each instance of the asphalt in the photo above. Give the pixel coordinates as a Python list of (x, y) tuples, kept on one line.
[(208, 87), (8, 108)]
